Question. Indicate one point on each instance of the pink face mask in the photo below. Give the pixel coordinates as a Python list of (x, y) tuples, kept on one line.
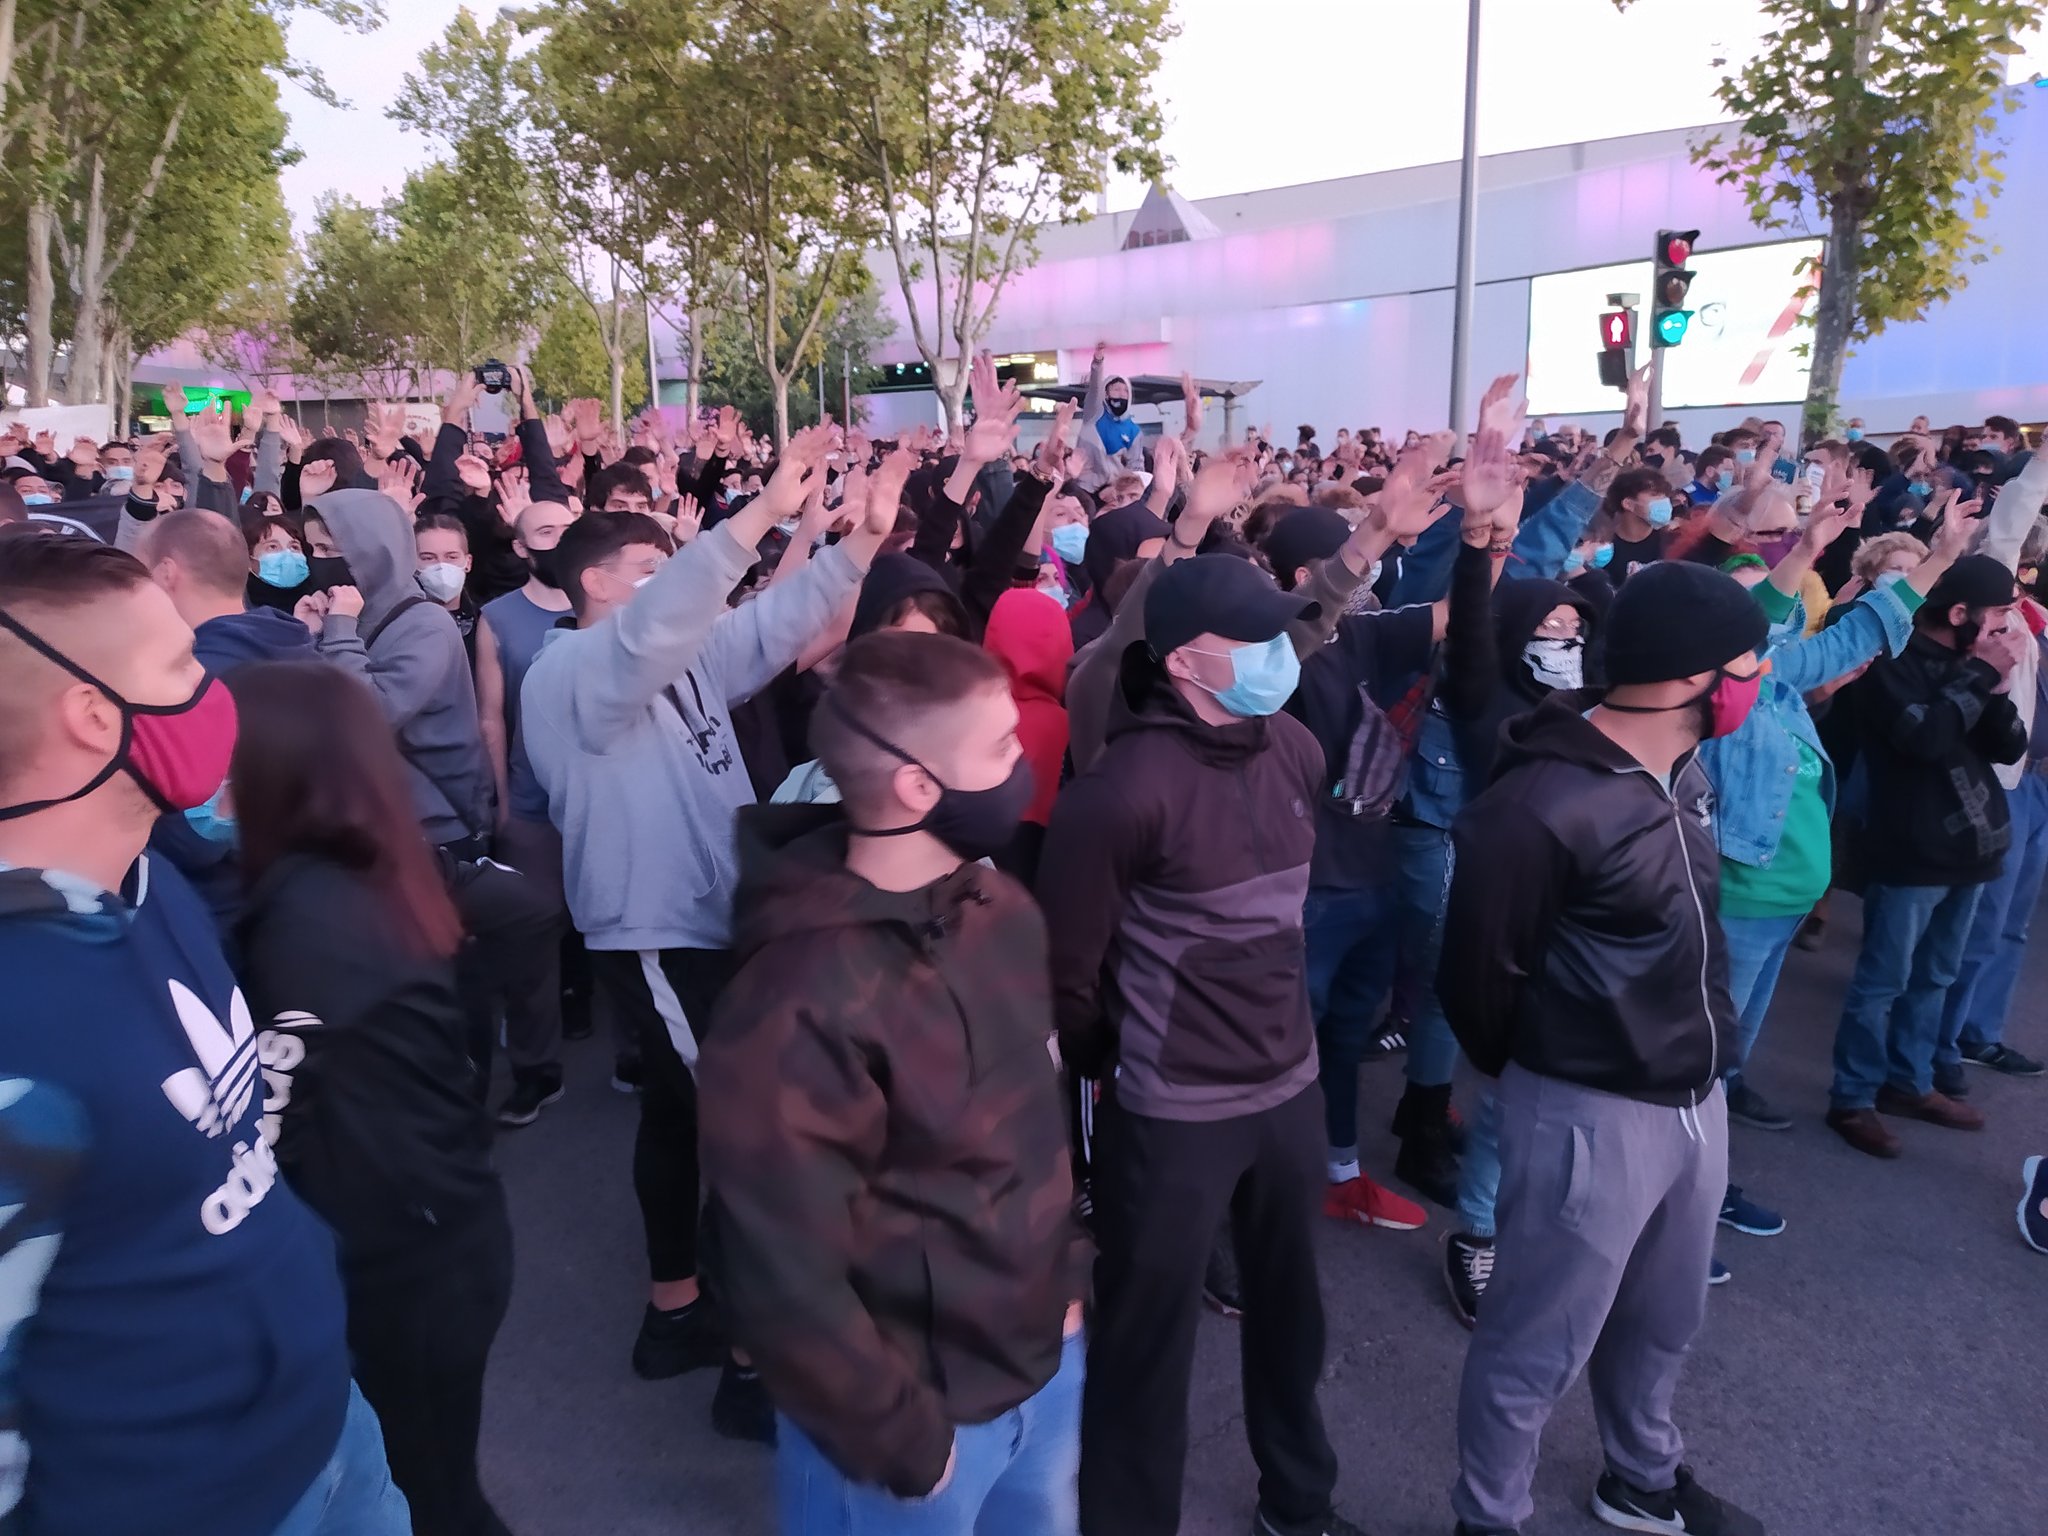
[(177, 753), (1730, 701)]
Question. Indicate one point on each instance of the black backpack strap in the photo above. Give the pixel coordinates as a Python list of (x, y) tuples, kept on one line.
[(369, 636)]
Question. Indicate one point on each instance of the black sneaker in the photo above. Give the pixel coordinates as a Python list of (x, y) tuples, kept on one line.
[(1427, 1165), (1219, 1284), (740, 1408), (1468, 1266), (529, 1096), (576, 1021), (2002, 1058), (1332, 1524), (1753, 1109), (1388, 1042), (1951, 1081), (1684, 1507), (671, 1343), (2034, 1204), (626, 1075)]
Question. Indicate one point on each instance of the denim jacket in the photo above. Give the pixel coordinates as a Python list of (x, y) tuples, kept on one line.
[(1436, 783), (1754, 770)]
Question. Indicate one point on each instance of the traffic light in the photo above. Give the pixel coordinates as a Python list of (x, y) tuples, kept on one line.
[(1617, 330), (1669, 281)]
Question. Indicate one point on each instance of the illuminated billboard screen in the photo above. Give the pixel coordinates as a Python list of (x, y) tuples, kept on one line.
[(1738, 351)]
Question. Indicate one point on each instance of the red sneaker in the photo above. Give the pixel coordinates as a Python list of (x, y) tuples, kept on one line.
[(1369, 1205)]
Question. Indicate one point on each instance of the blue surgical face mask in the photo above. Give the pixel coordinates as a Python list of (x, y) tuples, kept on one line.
[(37, 499), (1725, 481), (282, 568), (1854, 434), (1745, 455), (120, 472), (1602, 557), (1659, 511), (1574, 563), (1889, 578), (210, 822), (1057, 593), (1070, 542), (1263, 676), (1917, 487)]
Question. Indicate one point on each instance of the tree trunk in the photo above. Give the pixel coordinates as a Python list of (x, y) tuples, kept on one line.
[(1834, 318), (42, 297), (779, 382), (616, 345), (953, 398), (693, 385)]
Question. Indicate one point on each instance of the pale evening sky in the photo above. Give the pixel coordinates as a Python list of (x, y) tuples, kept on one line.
[(1256, 95)]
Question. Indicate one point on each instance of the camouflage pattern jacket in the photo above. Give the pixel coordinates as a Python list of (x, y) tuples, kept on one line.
[(888, 1198)]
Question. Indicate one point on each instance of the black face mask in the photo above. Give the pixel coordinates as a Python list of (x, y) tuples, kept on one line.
[(1967, 633), (1117, 407), (974, 823), (545, 569), (324, 571)]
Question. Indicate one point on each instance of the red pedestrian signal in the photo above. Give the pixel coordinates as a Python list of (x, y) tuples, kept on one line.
[(1617, 329)]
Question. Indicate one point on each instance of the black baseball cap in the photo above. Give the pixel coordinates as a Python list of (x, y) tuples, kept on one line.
[(1302, 537), (1217, 595)]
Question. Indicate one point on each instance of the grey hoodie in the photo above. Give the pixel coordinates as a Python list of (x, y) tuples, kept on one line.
[(629, 727), (417, 666)]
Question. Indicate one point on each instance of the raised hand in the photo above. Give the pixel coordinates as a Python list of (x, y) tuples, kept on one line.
[(149, 465), (461, 399), (210, 434), (1953, 536), (1828, 522), (559, 436), (84, 455), (1191, 404), (1215, 489), (1635, 416), (689, 520), (385, 427), (996, 409), (728, 431), (399, 479), (174, 402), (316, 479), (1488, 471), (885, 493), (514, 494), (474, 473), (922, 439), (1050, 462)]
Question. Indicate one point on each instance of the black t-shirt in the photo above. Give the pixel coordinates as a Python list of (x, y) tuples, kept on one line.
[(1389, 654), (1630, 554)]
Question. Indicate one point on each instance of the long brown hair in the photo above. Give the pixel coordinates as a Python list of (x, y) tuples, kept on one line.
[(316, 771)]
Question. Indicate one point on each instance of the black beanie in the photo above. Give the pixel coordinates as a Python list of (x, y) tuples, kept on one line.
[(1676, 619), (1302, 537), (1975, 581)]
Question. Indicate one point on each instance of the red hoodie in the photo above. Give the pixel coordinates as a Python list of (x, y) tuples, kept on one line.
[(1028, 632)]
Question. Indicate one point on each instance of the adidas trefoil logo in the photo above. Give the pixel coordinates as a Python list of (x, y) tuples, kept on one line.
[(215, 1094)]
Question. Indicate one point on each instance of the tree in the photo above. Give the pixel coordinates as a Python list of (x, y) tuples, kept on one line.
[(980, 121), (713, 122), (733, 375), (530, 172), (1875, 112), (137, 126), (572, 360)]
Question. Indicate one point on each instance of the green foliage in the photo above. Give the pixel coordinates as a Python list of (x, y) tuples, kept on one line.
[(980, 121), (1878, 114), (571, 360), (733, 375)]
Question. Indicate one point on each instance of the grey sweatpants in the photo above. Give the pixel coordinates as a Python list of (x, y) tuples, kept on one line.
[(1605, 1233)]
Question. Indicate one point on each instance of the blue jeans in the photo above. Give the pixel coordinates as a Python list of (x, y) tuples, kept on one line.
[(354, 1494), (1982, 995), (1479, 1166), (1757, 947), (1013, 1476), (1891, 1020), (1424, 861), (1351, 931)]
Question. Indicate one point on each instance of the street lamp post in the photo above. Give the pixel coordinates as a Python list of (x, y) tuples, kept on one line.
[(1468, 215)]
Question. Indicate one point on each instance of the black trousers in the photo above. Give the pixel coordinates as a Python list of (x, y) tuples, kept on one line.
[(665, 997), (1162, 1187), (420, 1341), (510, 955)]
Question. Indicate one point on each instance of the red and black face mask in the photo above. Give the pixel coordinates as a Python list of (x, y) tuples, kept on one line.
[(177, 753)]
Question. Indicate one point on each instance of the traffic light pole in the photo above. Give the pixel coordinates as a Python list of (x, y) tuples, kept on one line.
[(1468, 215), (1654, 416)]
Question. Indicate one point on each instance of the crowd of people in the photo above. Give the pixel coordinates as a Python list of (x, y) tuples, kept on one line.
[(991, 860)]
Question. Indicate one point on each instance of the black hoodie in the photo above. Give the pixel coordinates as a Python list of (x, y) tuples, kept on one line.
[(1580, 940), (365, 1073), (1502, 686)]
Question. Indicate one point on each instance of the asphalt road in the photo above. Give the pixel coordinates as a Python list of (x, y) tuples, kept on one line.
[(1880, 1369)]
